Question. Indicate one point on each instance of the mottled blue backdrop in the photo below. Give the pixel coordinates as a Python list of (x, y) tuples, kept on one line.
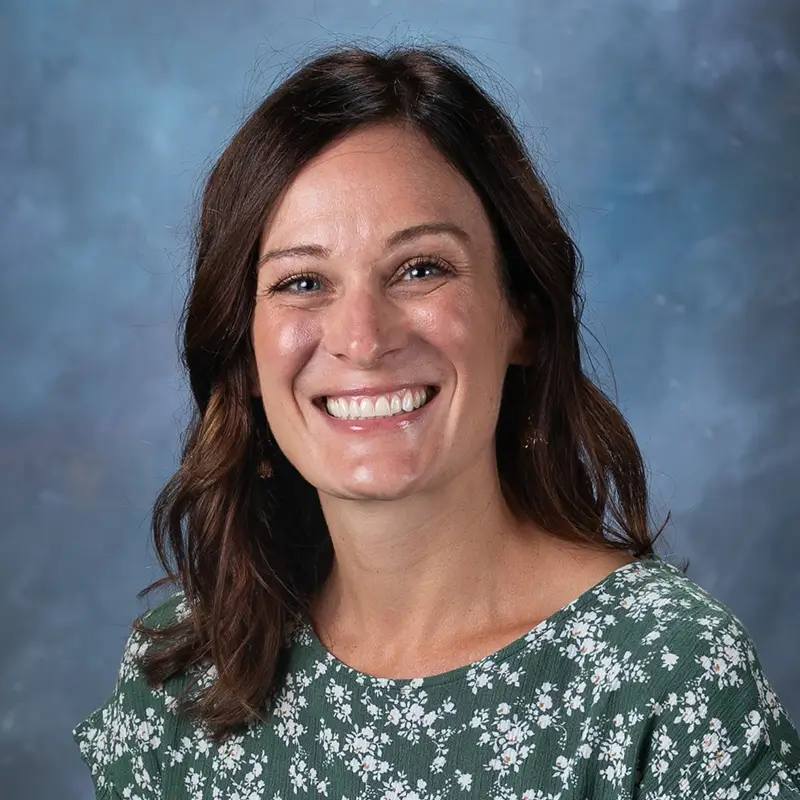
[(670, 131)]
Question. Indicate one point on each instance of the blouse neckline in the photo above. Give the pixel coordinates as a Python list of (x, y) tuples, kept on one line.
[(580, 603)]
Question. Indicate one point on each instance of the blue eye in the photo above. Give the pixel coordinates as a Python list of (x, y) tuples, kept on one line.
[(299, 284), (423, 269), (420, 269)]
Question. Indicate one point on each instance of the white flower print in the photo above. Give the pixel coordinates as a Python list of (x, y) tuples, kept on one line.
[(464, 780), (574, 699), (668, 660), (365, 745), (328, 741), (564, 770), (305, 778), (480, 676), (644, 688), (693, 711), (755, 730), (507, 736), (340, 699)]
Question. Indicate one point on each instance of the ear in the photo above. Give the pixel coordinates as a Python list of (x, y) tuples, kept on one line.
[(522, 355), (524, 341)]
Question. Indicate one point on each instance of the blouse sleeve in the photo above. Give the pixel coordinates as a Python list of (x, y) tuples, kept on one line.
[(721, 732), (122, 740)]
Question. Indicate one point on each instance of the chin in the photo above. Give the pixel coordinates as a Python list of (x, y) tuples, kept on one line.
[(372, 488)]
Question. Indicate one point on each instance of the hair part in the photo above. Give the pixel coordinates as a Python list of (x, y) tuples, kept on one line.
[(250, 554)]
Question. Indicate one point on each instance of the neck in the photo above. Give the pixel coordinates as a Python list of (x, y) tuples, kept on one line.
[(427, 567)]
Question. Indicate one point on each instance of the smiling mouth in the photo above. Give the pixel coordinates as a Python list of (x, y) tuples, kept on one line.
[(379, 406)]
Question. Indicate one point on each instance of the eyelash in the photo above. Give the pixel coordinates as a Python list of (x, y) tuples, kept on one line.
[(418, 261)]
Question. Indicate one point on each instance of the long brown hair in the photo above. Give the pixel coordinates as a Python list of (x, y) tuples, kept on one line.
[(250, 553)]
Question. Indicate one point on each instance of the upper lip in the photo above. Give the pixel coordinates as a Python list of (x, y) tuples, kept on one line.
[(367, 391)]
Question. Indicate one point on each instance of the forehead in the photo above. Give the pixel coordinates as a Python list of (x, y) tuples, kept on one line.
[(376, 180)]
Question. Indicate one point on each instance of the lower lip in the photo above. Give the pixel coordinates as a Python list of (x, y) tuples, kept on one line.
[(378, 424)]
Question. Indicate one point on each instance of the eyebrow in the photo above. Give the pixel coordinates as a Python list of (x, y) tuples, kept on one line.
[(395, 240)]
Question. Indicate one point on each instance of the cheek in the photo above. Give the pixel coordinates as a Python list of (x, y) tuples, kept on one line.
[(468, 331), (282, 344), (445, 323)]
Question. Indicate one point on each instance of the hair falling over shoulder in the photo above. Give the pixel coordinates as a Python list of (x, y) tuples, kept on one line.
[(249, 552)]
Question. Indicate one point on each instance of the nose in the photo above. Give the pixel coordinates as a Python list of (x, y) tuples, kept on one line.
[(363, 326)]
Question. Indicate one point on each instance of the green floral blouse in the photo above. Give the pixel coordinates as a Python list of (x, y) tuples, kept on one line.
[(643, 687)]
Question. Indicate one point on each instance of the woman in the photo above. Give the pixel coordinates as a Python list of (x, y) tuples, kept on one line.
[(410, 537)]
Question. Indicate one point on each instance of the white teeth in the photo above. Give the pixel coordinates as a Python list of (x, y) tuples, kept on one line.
[(367, 409), (380, 406)]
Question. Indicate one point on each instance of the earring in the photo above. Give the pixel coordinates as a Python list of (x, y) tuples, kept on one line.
[(532, 439), (265, 469)]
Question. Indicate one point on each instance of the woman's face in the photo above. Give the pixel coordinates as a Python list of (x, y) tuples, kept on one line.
[(381, 334)]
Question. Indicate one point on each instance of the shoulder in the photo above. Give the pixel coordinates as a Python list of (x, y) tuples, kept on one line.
[(120, 741), (651, 628), (716, 723), (654, 607), (174, 609), (166, 614), (688, 637)]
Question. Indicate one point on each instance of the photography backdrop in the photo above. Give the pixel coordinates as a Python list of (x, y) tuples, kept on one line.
[(669, 130)]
